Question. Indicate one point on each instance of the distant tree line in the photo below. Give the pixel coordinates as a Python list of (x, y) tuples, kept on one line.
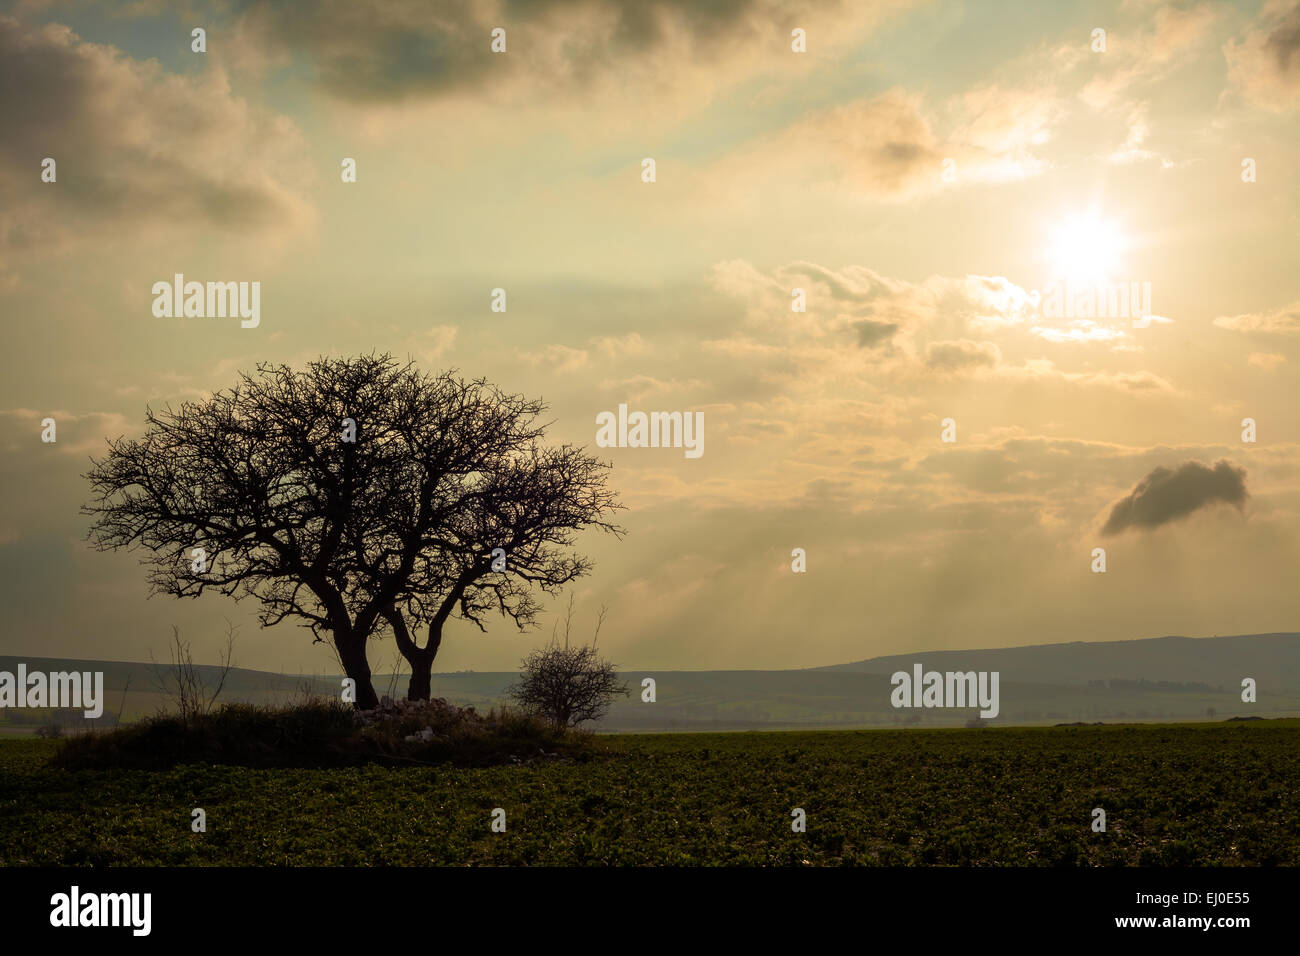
[(1177, 687)]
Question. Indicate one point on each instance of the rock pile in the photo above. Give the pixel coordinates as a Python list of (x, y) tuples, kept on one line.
[(429, 713)]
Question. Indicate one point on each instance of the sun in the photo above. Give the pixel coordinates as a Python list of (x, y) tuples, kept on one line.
[(1085, 248)]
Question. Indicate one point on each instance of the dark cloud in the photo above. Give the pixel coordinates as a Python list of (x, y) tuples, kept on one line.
[(871, 334), (1167, 494), (1284, 42)]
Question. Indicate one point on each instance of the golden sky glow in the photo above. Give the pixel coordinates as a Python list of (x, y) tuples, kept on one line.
[(929, 174)]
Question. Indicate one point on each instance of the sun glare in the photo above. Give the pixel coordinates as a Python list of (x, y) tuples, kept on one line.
[(1085, 249)]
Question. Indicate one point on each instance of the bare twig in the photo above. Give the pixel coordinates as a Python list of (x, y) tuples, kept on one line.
[(122, 706), (190, 694)]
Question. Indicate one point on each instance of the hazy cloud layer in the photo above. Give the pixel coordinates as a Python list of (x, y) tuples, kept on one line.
[(822, 171), (944, 326)]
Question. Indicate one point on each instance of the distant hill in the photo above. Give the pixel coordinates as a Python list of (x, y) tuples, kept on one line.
[(1163, 678), (1272, 659)]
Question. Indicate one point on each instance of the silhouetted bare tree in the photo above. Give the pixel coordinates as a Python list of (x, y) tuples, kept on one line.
[(358, 495)]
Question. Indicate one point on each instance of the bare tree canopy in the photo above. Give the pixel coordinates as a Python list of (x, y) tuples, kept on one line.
[(357, 496)]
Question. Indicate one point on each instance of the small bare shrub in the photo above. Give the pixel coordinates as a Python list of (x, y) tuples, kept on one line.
[(568, 684)]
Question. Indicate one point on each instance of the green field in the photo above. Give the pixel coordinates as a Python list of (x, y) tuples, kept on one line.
[(1208, 794)]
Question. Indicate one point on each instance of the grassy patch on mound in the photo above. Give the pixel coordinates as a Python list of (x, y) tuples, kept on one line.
[(325, 734)]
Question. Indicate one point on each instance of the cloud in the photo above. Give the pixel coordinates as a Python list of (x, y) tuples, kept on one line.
[(880, 147), (386, 51), (1168, 494), (872, 333), (940, 329), (1141, 382), (1266, 360), (76, 433), (872, 307), (1142, 57), (886, 147), (954, 357), (1079, 330), (1284, 321), (431, 345), (639, 388), (1264, 64), (999, 128), (562, 358), (619, 346), (1133, 149), (136, 148)]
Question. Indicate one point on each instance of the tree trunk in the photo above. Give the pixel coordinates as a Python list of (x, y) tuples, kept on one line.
[(421, 682), (421, 661), (352, 653), (419, 658)]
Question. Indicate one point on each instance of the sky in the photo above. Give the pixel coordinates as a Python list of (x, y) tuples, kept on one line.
[(933, 181)]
